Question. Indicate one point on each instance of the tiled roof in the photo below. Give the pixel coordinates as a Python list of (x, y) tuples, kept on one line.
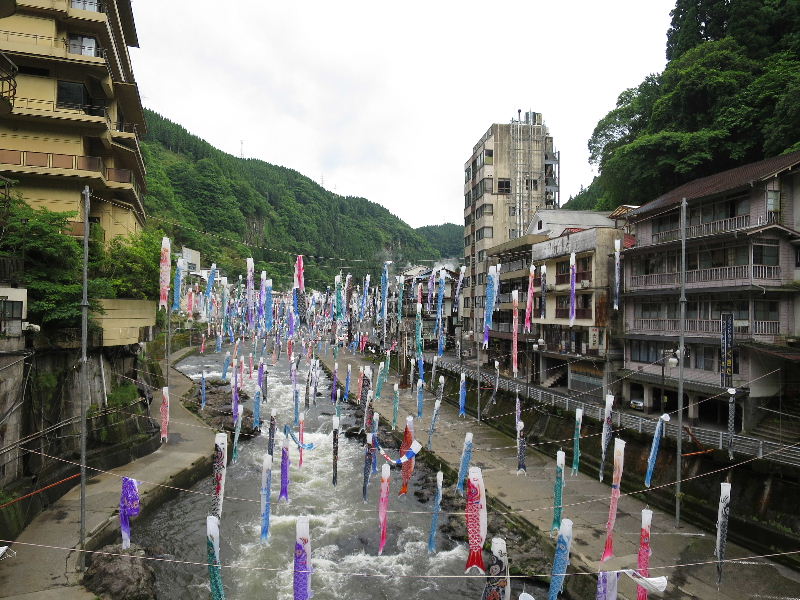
[(722, 182)]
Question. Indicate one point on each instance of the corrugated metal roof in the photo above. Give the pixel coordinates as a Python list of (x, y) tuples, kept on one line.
[(722, 182)]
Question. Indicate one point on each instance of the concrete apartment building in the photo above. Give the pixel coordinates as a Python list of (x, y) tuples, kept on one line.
[(76, 111), (582, 356), (513, 171), (742, 257)]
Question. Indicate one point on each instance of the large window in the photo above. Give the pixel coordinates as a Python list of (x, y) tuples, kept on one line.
[(766, 253), (666, 223), (484, 209), (484, 232), (74, 95), (765, 310), (647, 310), (83, 45), (503, 186)]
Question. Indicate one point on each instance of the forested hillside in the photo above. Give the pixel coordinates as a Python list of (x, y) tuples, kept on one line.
[(728, 96), (217, 203), (447, 238)]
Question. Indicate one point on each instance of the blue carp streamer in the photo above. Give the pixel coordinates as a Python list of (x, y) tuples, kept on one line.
[(466, 458), (561, 559), (651, 460), (437, 506)]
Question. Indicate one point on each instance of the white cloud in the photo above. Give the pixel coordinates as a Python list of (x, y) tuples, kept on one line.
[(386, 101)]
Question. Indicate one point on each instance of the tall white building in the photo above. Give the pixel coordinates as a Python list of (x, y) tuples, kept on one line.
[(513, 172)]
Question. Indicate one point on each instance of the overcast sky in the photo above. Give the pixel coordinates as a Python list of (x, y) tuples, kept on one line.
[(385, 100)]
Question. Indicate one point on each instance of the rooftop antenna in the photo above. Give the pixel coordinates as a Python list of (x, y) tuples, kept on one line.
[(241, 148)]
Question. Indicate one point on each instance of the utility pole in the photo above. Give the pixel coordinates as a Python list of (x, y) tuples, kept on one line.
[(681, 355), (84, 369)]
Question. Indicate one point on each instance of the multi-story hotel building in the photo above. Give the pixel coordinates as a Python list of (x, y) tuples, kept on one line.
[(512, 172), (74, 117), (742, 258)]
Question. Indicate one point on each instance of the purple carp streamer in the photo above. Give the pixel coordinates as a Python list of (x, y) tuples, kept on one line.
[(180, 268), (723, 513), (572, 269), (619, 460), (437, 506), (521, 467), (617, 248), (128, 507), (273, 426), (515, 332), (605, 438), (561, 559), (214, 568), (266, 490), (285, 463), (302, 561), (607, 585), (543, 312)]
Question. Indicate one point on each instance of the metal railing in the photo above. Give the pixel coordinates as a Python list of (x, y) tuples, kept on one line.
[(731, 273), (718, 274), (61, 107), (654, 279), (703, 229), (720, 440), (766, 272), (8, 79), (706, 326)]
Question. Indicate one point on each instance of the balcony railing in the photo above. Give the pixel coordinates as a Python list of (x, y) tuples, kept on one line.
[(562, 278), (60, 107), (712, 228), (90, 5), (706, 326), (8, 81), (580, 313), (513, 266), (733, 273), (72, 46)]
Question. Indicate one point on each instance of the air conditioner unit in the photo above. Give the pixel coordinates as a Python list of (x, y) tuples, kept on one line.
[(585, 283)]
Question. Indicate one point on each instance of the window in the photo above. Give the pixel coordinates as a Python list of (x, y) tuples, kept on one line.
[(92, 5), (74, 95), (562, 301), (467, 199), (773, 202), (481, 278), (765, 310), (503, 186), (766, 253), (797, 258), (468, 220), (484, 210), (647, 310), (584, 264), (481, 255), (539, 226), (739, 308), (562, 268), (484, 232), (488, 157), (467, 174), (83, 45), (512, 234), (706, 358), (531, 185), (466, 301), (666, 223), (467, 240)]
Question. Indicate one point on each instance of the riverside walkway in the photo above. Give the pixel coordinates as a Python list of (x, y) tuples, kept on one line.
[(531, 497), (44, 574)]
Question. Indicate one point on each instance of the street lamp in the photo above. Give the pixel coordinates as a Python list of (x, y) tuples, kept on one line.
[(536, 348), (672, 361)]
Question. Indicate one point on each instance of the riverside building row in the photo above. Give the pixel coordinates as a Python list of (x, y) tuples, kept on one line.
[(742, 259)]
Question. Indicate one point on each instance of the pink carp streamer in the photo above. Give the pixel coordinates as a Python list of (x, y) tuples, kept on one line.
[(643, 562), (529, 302), (164, 273), (383, 505), (619, 459), (164, 414)]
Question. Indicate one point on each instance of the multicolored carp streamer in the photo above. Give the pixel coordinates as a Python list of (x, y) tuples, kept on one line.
[(180, 269), (376, 419), (651, 584), (651, 460), (605, 437), (576, 442), (466, 458), (338, 299), (164, 272), (250, 291), (164, 414), (384, 294), (128, 507), (288, 433), (285, 464), (395, 405), (643, 558), (335, 421), (462, 396), (218, 471), (266, 491), (617, 248), (529, 301), (212, 276), (477, 522), (437, 507), (515, 332), (558, 493), (203, 390), (619, 460), (492, 282), (236, 431), (273, 426), (368, 455), (543, 313), (418, 331), (457, 297), (439, 303), (723, 514), (607, 582), (498, 579), (214, 565), (431, 281), (521, 447), (268, 308), (572, 269), (561, 559), (302, 560), (235, 396), (420, 397), (383, 505), (405, 446), (405, 459)]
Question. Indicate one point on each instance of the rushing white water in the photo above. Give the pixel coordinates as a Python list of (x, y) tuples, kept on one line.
[(344, 529)]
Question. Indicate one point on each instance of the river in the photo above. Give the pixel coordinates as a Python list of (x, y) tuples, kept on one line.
[(344, 530)]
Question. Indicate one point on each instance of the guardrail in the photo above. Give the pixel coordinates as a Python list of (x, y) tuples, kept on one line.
[(720, 440)]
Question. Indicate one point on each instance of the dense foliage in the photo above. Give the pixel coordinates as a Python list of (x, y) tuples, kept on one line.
[(447, 238), (728, 96), (229, 208)]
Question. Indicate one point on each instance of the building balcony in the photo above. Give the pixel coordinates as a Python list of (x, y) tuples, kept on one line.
[(706, 327), (563, 278), (83, 114), (726, 276), (703, 229), (8, 84), (580, 313), (50, 48)]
